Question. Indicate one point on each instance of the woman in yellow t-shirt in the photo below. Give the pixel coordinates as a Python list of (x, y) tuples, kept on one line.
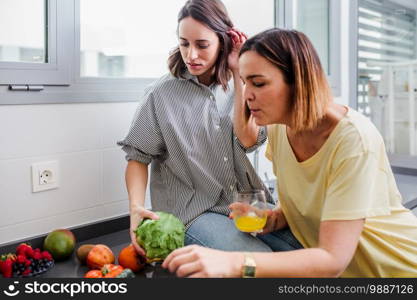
[(337, 193)]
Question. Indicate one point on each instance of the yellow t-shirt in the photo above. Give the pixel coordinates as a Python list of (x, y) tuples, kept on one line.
[(348, 178)]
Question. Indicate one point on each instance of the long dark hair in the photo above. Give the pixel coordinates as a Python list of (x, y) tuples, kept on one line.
[(213, 14), (293, 53)]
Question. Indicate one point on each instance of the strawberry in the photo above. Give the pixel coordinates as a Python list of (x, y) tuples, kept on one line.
[(22, 248), (37, 255), (21, 259), (12, 256), (29, 252), (47, 255), (7, 268)]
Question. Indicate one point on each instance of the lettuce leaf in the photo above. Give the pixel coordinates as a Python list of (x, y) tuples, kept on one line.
[(160, 237)]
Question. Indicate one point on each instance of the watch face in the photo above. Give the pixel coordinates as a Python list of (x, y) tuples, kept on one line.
[(249, 272), (249, 266)]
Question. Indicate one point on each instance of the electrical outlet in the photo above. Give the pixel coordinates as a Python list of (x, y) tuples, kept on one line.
[(45, 176)]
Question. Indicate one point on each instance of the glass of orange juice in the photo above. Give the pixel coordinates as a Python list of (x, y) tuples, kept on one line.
[(250, 215)]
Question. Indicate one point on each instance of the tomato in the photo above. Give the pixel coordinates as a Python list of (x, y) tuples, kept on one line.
[(111, 270), (98, 256), (93, 274), (129, 258)]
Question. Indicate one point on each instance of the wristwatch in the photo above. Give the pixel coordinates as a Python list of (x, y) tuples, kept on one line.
[(249, 266)]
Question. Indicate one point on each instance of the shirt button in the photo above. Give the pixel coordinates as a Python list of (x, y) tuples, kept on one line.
[(231, 187), (225, 158), (217, 127), (211, 97)]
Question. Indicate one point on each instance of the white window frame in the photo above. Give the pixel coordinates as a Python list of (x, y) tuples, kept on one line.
[(56, 70), (285, 10)]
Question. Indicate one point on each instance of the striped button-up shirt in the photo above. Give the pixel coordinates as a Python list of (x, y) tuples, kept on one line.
[(184, 130)]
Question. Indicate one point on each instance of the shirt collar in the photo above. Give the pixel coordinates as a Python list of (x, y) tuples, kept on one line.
[(188, 76)]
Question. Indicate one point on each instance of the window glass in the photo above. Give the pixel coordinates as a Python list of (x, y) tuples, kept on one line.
[(387, 70), (23, 31), (130, 38), (251, 16), (312, 18)]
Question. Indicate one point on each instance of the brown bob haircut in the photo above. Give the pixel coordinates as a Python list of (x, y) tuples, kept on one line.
[(213, 14), (293, 53)]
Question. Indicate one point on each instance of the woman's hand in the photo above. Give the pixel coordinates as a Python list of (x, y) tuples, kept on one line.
[(198, 262), (238, 209), (238, 39), (275, 221), (136, 216)]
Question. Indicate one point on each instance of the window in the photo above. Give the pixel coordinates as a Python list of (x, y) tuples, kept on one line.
[(387, 70), (33, 42), (134, 44), (24, 41), (312, 18), (251, 16), (80, 55), (122, 49), (320, 21)]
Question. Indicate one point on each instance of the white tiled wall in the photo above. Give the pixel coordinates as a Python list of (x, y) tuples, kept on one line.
[(82, 137)]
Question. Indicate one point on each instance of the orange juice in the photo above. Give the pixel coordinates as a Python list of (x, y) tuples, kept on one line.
[(250, 223)]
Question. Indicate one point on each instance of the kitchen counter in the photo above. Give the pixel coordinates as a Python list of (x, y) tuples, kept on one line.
[(71, 268)]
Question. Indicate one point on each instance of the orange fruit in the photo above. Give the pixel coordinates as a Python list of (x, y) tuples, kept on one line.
[(129, 258)]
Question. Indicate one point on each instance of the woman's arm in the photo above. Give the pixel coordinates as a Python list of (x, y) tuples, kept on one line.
[(136, 181), (337, 244), (244, 125)]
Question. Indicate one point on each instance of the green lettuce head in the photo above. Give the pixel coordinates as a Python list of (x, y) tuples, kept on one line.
[(160, 237)]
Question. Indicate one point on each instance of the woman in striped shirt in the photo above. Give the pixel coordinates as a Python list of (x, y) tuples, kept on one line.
[(183, 129)]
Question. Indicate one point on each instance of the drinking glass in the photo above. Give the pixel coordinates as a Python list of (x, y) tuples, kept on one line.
[(249, 212)]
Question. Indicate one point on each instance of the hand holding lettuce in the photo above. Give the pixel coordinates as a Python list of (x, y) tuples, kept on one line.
[(160, 237)]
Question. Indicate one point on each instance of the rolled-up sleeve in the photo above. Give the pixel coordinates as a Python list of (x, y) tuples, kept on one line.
[(144, 140), (262, 135)]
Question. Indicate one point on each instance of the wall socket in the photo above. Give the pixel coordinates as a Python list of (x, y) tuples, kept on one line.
[(45, 176)]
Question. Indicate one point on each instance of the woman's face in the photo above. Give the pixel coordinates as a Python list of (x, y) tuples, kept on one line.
[(265, 91), (199, 46)]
